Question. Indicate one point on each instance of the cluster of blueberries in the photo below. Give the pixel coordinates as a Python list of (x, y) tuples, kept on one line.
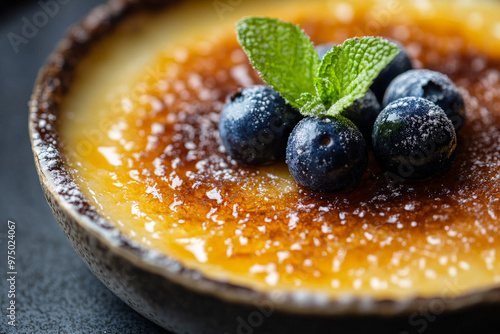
[(409, 116)]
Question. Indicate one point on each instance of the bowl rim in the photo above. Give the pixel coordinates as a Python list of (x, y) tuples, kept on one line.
[(52, 83)]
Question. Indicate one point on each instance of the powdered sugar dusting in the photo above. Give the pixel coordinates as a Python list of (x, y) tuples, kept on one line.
[(256, 222)]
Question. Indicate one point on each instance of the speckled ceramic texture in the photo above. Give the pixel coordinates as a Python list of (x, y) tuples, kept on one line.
[(159, 287)]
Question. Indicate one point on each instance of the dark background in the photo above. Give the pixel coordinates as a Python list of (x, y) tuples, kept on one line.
[(55, 292)]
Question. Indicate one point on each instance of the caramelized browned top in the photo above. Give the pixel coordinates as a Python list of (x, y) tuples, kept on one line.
[(163, 177)]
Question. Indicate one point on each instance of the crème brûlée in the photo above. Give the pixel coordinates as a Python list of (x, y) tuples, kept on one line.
[(139, 130)]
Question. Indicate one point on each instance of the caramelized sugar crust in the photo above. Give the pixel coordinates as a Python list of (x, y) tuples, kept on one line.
[(161, 174)]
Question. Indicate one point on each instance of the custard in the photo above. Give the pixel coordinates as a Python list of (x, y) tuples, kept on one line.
[(139, 131)]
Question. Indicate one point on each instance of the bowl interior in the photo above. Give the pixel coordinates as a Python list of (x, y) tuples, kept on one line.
[(113, 54)]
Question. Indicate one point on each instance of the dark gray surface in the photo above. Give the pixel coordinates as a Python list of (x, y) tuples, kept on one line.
[(55, 292)]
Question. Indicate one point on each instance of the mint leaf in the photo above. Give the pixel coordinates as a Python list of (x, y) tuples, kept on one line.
[(311, 105), (283, 54), (328, 86), (287, 60), (346, 72), (327, 90)]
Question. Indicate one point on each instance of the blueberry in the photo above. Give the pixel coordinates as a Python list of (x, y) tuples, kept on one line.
[(363, 113), (397, 66), (255, 124), (434, 86), (326, 154), (413, 139), (323, 49)]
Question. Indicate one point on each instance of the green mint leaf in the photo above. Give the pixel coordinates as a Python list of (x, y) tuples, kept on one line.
[(311, 105), (284, 56), (326, 82), (287, 60), (346, 73)]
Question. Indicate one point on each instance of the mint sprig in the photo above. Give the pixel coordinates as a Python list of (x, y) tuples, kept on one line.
[(282, 53), (287, 60)]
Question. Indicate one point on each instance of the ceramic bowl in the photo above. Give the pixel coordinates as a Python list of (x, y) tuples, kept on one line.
[(160, 287)]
